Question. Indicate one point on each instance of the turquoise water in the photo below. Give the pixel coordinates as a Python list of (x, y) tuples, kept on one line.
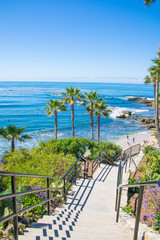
[(21, 104)]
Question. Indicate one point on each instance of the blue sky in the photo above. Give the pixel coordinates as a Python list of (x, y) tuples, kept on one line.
[(77, 40)]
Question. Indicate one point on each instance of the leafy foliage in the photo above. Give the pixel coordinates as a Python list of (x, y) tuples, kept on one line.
[(151, 199), (134, 189), (148, 149), (128, 209), (152, 166), (95, 148), (148, 2), (12, 133), (37, 162), (74, 145)]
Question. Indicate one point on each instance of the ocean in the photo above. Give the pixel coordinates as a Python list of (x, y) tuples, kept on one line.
[(21, 104)]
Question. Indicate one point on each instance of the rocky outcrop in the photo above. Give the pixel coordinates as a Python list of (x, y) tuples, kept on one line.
[(121, 116), (127, 113), (141, 100)]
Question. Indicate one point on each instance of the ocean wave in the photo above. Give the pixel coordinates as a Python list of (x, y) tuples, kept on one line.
[(117, 111)]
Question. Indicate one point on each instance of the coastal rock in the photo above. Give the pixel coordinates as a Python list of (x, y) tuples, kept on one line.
[(135, 99), (135, 117), (127, 113), (132, 121), (151, 126), (141, 100), (145, 120), (121, 116), (152, 120)]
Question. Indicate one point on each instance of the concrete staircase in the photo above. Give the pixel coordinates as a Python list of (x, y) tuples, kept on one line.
[(88, 213)]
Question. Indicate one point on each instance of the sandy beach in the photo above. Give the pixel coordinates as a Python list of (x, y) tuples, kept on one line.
[(139, 138)]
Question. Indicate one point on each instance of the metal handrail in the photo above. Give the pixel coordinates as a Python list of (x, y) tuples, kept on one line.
[(71, 168), (144, 184), (141, 185), (4, 173), (120, 186), (16, 194), (66, 178), (96, 161)]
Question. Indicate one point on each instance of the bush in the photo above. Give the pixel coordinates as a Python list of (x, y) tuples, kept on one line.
[(74, 145), (134, 189), (96, 148), (148, 149), (152, 167), (49, 164)]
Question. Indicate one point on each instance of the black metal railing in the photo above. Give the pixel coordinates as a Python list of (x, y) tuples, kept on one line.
[(16, 194), (103, 156), (127, 155), (121, 167), (97, 161), (141, 185), (67, 181)]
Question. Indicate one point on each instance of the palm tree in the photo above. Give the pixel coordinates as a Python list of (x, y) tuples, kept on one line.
[(13, 133), (71, 96), (155, 70), (55, 106), (152, 79), (100, 110), (148, 2), (89, 101)]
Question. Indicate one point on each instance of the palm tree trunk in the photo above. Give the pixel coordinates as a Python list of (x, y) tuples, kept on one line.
[(72, 113), (154, 85), (12, 145), (157, 112), (91, 119), (98, 127), (55, 115)]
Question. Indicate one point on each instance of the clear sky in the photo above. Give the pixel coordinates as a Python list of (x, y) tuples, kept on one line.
[(77, 40)]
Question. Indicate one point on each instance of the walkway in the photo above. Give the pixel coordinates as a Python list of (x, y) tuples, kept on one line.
[(88, 214)]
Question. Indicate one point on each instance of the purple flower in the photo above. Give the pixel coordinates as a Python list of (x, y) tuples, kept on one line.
[(42, 195), (38, 187), (145, 217), (29, 188), (152, 216), (138, 179)]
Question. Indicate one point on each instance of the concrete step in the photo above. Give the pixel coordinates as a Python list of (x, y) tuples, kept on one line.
[(87, 215)]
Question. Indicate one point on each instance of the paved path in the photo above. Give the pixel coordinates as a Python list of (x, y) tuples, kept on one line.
[(88, 214)]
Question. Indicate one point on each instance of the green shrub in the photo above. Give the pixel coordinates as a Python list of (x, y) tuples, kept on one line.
[(74, 145), (134, 189), (152, 167), (128, 209), (49, 164), (96, 148), (148, 149)]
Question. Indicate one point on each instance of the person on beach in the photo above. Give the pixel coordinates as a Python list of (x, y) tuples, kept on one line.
[(133, 140), (128, 143)]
